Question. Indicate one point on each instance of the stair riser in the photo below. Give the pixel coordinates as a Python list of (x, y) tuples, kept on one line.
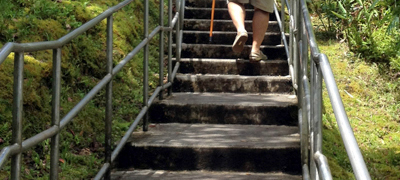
[(285, 160), (202, 25), (184, 83), (208, 4), (223, 114), (226, 38), (204, 51), (272, 68), (218, 14)]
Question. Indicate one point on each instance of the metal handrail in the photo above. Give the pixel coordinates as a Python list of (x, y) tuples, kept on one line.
[(302, 46), (18, 146)]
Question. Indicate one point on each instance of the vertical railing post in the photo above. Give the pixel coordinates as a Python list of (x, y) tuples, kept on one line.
[(291, 39), (304, 75), (177, 32), (283, 3), (316, 116), (161, 45), (17, 114), (146, 64), (170, 46), (295, 54), (313, 123), (108, 118), (55, 140), (318, 109), (181, 14)]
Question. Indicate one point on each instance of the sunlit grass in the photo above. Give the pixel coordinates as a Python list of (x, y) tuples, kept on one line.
[(370, 98)]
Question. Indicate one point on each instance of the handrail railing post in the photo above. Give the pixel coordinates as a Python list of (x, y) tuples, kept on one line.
[(283, 17), (318, 110), (303, 79), (290, 58), (108, 118), (161, 50), (170, 47), (316, 115), (17, 114), (55, 140), (295, 61), (313, 167), (177, 31), (146, 64)]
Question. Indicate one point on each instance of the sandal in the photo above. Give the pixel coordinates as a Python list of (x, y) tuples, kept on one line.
[(239, 42), (253, 57)]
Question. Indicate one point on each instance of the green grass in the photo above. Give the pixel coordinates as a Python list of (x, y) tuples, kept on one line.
[(370, 94)]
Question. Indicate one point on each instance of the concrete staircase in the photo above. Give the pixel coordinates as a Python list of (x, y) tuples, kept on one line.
[(227, 118)]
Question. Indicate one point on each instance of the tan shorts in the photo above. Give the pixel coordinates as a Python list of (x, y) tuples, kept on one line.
[(265, 5)]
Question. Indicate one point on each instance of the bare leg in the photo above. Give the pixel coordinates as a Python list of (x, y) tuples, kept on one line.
[(237, 13), (260, 26)]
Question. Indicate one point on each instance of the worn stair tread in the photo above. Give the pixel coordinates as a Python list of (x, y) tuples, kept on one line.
[(199, 175), (233, 99), (225, 51), (230, 76), (218, 136), (223, 20), (219, 13), (208, 3), (223, 25), (218, 60), (232, 83), (221, 37), (209, 8), (233, 66), (227, 32), (230, 46)]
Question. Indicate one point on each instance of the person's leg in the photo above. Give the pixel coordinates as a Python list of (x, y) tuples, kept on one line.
[(260, 26), (262, 8), (237, 13)]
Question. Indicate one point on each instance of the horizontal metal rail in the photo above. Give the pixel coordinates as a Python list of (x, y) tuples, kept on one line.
[(18, 146), (302, 44)]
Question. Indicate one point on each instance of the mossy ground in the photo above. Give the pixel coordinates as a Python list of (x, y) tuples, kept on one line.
[(83, 66), (370, 93)]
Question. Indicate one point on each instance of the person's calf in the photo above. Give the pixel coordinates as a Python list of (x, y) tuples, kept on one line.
[(260, 26)]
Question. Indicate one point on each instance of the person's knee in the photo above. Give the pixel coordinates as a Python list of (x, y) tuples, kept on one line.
[(235, 3), (261, 11)]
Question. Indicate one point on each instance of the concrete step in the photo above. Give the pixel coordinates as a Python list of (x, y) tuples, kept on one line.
[(208, 4), (219, 13), (233, 66), (244, 148), (226, 108), (232, 83), (199, 175), (276, 52), (221, 37), (223, 25)]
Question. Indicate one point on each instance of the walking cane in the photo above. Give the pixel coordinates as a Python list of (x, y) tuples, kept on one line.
[(212, 20)]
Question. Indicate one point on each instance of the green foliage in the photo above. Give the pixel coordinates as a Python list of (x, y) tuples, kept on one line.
[(368, 26), (83, 66)]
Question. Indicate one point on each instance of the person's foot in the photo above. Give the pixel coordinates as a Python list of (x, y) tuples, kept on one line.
[(239, 42), (254, 57)]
